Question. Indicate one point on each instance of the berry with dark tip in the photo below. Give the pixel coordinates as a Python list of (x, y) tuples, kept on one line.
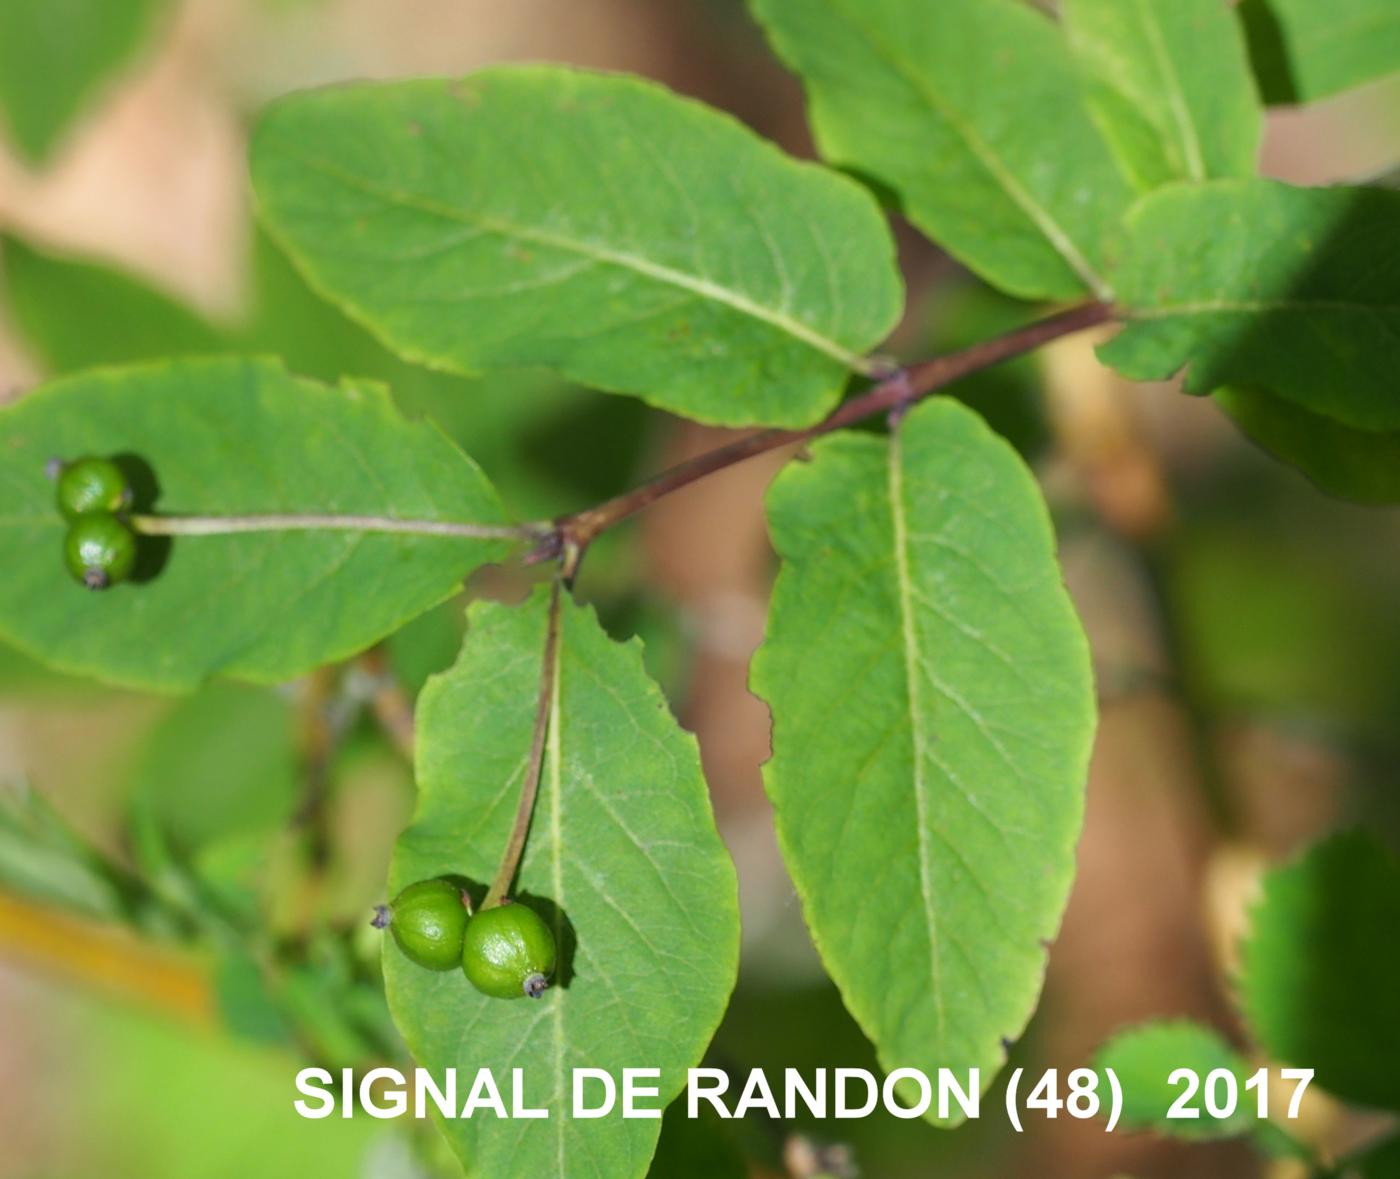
[(100, 550), (428, 921), (509, 952)]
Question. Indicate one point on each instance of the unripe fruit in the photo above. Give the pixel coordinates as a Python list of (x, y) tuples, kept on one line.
[(509, 952), (92, 485), (100, 550), (428, 921)]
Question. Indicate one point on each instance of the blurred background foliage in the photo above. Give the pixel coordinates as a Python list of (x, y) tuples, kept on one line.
[(184, 883)]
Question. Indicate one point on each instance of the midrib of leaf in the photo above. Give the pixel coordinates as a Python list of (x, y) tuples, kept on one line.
[(1176, 97), (911, 670), (1040, 217), (693, 284), (556, 823)]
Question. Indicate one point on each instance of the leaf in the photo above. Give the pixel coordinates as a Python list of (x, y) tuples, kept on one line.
[(1170, 84), (230, 438), (76, 313), (595, 225), (24, 678), (1351, 464), (491, 418), (546, 446), (1144, 1058), (1304, 51), (1320, 970), (42, 857), (241, 995), (1258, 284), (55, 57), (971, 111), (238, 744), (932, 717), (622, 855), (216, 777)]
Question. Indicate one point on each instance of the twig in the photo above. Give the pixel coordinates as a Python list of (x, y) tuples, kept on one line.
[(573, 533)]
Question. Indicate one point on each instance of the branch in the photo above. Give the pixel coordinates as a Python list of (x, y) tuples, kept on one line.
[(573, 533), (534, 766)]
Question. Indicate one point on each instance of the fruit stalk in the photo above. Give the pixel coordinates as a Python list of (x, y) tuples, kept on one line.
[(510, 861)]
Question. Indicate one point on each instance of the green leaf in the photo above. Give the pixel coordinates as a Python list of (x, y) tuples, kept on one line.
[(1351, 464), (232, 438), (244, 1003), (595, 225), (1303, 50), (622, 855), (56, 55), (25, 678), (1169, 83), (971, 111), (932, 716), (42, 857), (238, 744), (1321, 970), (216, 777), (1258, 284), (492, 418), (1144, 1058), (77, 314)]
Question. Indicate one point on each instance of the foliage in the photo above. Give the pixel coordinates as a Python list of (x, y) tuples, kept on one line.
[(1169, 82), (623, 860), (236, 437), (1013, 179), (927, 807), (627, 285), (1304, 300), (1145, 1056), (1311, 963), (929, 682)]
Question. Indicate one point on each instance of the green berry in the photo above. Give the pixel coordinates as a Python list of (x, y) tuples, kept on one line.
[(428, 921), (92, 485), (100, 550), (508, 952)]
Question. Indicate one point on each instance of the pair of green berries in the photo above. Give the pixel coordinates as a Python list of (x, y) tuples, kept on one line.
[(94, 496), (506, 951)]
